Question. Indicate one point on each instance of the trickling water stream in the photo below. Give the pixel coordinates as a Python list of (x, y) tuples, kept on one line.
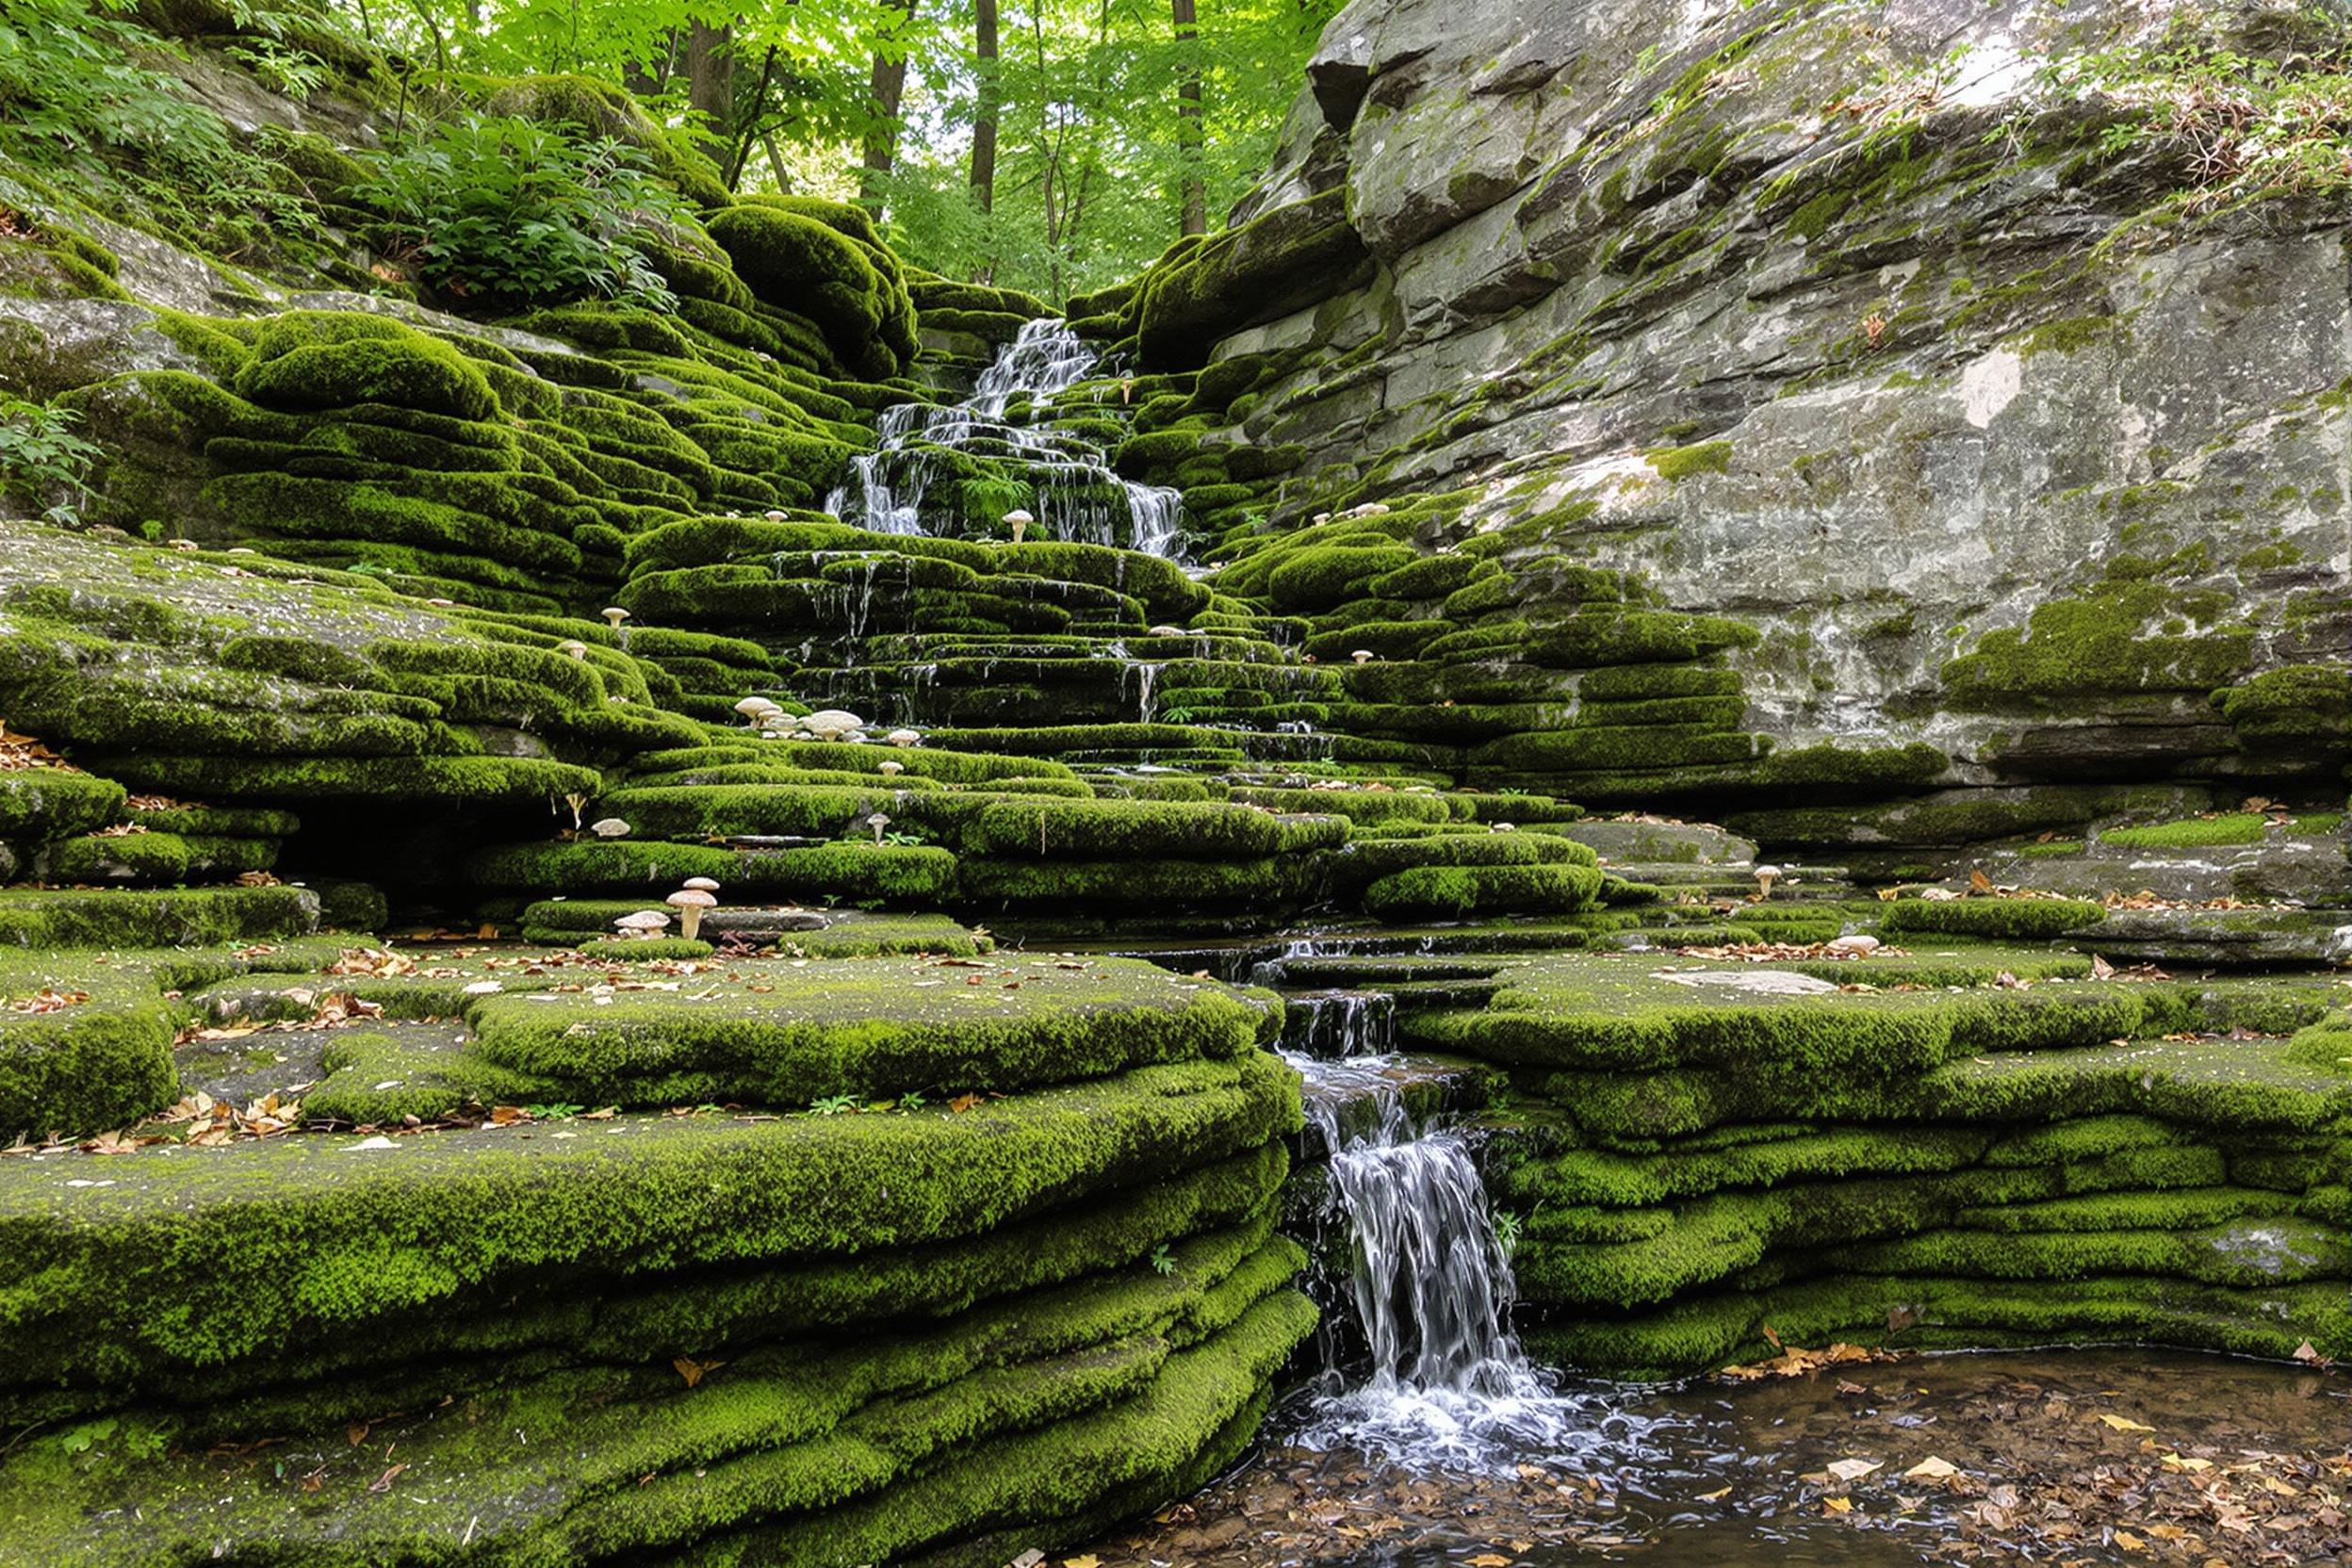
[(903, 485), (1441, 1380)]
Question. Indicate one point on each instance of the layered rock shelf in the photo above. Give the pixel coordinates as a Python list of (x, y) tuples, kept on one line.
[(572, 993)]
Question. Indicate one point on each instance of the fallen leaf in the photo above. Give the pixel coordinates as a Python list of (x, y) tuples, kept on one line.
[(2124, 1423), (1855, 1469), (1931, 1469), (695, 1371)]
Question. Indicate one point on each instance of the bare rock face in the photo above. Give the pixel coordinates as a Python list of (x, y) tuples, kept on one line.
[(1900, 332)]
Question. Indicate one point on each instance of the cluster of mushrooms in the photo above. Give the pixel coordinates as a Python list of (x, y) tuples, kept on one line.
[(771, 723), (698, 895)]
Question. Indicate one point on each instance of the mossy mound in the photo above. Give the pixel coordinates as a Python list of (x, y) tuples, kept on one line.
[(1930, 1131), (1029, 1215)]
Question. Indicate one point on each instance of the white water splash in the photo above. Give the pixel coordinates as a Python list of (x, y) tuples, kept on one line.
[(1069, 476), (1446, 1385)]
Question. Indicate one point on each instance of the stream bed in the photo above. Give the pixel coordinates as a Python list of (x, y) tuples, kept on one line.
[(2103, 1456), (1426, 1437)]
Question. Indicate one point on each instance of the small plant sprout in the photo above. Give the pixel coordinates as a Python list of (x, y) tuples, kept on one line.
[(878, 821), (689, 902), (1161, 1262), (833, 1104)]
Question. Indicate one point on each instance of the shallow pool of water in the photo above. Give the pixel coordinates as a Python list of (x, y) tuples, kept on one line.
[(2059, 1457)]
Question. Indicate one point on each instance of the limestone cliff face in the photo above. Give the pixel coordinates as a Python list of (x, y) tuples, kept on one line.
[(1879, 328)]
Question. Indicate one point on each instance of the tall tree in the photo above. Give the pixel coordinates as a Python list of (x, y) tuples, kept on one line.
[(889, 93), (711, 73), (984, 57), (1190, 118)]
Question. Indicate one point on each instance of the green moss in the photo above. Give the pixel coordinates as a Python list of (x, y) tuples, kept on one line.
[(2235, 827), (348, 1238), (307, 359), (1453, 891), (1993, 918), (1676, 463), (2080, 647), (52, 802)]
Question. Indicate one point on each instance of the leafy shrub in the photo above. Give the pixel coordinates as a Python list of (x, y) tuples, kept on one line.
[(42, 461), (71, 84), (501, 210)]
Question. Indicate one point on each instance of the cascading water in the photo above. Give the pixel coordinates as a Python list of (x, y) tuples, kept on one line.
[(1441, 1380), (1074, 495)]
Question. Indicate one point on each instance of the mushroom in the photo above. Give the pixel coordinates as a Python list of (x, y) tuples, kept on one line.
[(1167, 631), (1369, 509), (773, 516), (579, 803), (877, 822), (183, 544), (904, 738), (644, 924), (614, 616), (831, 724), (689, 902), (609, 828), (1765, 877), (1857, 944), (445, 604), (1019, 520), (1362, 655), (752, 708), (891, 769), (1505, 828), (700, 884), (572, 647)]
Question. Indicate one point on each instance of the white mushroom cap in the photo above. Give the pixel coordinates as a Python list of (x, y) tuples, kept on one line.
[(1362, 655), (1018, 515), (834, 720), (773, 516), (904, 738), (878, 819), (183, 544), (609, 828), (753, 705), (1767, 870), (690, 898), (643, 920), (1506, 827), (702, 884), (573, 647), (614, 614), (891, 769), (1167, 631)]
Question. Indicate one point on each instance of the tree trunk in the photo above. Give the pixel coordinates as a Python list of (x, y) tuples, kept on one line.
[(889, 88), (984, 113), (711, 74), (1189, 125)]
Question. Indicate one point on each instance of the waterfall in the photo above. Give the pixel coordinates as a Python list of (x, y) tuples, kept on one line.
[(1073, 494), (1442, 1381), (1331, 1024)]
